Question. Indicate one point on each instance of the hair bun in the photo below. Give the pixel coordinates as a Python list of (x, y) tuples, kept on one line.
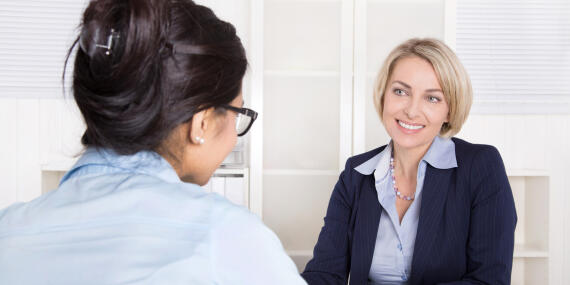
[(132, 80)]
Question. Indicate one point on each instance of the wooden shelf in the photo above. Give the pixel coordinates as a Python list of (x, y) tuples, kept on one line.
[(526, 251), (302, 172), (527, 173), (59, 166), (299, 252), (230, 171), (300, 258)]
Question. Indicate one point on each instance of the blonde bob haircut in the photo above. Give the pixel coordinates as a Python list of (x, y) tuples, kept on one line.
[(453, 79)]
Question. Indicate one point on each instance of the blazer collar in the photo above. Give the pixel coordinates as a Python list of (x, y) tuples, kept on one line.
[(441, 154)]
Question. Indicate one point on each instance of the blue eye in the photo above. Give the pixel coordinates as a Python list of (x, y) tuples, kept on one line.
[(433, 99), (399, 92)]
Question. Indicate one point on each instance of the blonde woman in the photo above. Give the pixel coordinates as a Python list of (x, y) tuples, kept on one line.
[(426, 208)]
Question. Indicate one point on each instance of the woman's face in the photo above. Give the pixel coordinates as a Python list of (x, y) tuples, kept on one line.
[(414, 105)]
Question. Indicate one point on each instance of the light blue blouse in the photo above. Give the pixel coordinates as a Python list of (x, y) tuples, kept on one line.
[(394, 249), (130, 220)]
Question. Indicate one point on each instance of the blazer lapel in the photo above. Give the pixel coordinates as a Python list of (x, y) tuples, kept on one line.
[(365, 231), (434, 193)]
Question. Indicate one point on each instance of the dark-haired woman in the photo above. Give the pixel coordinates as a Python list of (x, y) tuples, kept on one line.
[(158, 83)]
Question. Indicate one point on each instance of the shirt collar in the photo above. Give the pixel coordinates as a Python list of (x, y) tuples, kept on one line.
[(145, 162), (441, 154)]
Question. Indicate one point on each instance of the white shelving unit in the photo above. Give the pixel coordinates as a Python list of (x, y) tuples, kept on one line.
[(531, 190), (306, 111)]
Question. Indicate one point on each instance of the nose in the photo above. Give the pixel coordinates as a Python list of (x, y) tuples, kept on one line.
[(412, 108)]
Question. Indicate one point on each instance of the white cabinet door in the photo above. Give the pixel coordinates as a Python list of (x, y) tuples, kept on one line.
[(320, 59), (382, 25), (302, 133)]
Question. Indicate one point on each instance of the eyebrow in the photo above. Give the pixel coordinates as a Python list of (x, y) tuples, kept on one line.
[(410, 87), (434, 90), (402, 83)]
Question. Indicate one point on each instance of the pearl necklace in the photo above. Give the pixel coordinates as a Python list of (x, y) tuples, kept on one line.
[(398, 194)]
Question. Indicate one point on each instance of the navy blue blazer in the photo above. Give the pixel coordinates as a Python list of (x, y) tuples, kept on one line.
[(465, 231)]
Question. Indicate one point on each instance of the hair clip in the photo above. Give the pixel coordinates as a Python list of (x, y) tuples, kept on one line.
[(109, 44)]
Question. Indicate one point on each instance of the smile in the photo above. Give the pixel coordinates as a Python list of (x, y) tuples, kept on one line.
[(410, 126)]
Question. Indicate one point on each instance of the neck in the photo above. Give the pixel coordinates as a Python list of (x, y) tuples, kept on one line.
[(408, 160)]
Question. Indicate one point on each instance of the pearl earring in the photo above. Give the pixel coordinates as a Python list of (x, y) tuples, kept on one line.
[(200, 140)]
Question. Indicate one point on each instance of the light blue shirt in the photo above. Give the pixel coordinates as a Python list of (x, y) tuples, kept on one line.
[(394, 249), (130, 220)]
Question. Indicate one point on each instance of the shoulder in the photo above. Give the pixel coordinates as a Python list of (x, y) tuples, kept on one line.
[(359, 159), (356, 170), (475, 154), (245, 251), (226, 215), (186, 201), (9, 216), (229, 219), (482, 168)]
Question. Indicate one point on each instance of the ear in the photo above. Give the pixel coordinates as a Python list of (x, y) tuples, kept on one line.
[(199, 126)]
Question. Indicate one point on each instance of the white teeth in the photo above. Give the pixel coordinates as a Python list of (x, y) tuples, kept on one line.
[(409, 127)]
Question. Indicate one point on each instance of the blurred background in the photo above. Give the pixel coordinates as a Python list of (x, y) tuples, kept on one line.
[(312, 66)]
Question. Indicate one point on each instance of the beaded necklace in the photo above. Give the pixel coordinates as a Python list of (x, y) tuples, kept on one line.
[(398, 193)]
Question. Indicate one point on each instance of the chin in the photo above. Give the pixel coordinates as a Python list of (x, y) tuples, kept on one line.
[(195, 180), (407, 144), (412, 141)]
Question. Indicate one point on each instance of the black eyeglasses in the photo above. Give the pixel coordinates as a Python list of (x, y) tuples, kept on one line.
[(244, 120)]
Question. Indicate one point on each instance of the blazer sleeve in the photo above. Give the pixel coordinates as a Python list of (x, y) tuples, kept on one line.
[(331, 259), (492, 224)]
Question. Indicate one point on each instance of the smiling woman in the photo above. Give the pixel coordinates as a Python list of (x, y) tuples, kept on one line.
[(426, 208)]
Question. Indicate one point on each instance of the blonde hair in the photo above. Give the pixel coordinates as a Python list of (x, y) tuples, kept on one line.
[(453, 79)]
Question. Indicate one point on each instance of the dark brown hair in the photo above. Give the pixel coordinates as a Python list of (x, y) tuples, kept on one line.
[(168, 60)]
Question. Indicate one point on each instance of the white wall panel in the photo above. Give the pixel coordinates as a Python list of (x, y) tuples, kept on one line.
[(294, 207), (28, 149), (514, 132), (536, 138), (301, 44), (557, 154), (50, 130), (8, 151), (72, 128)]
